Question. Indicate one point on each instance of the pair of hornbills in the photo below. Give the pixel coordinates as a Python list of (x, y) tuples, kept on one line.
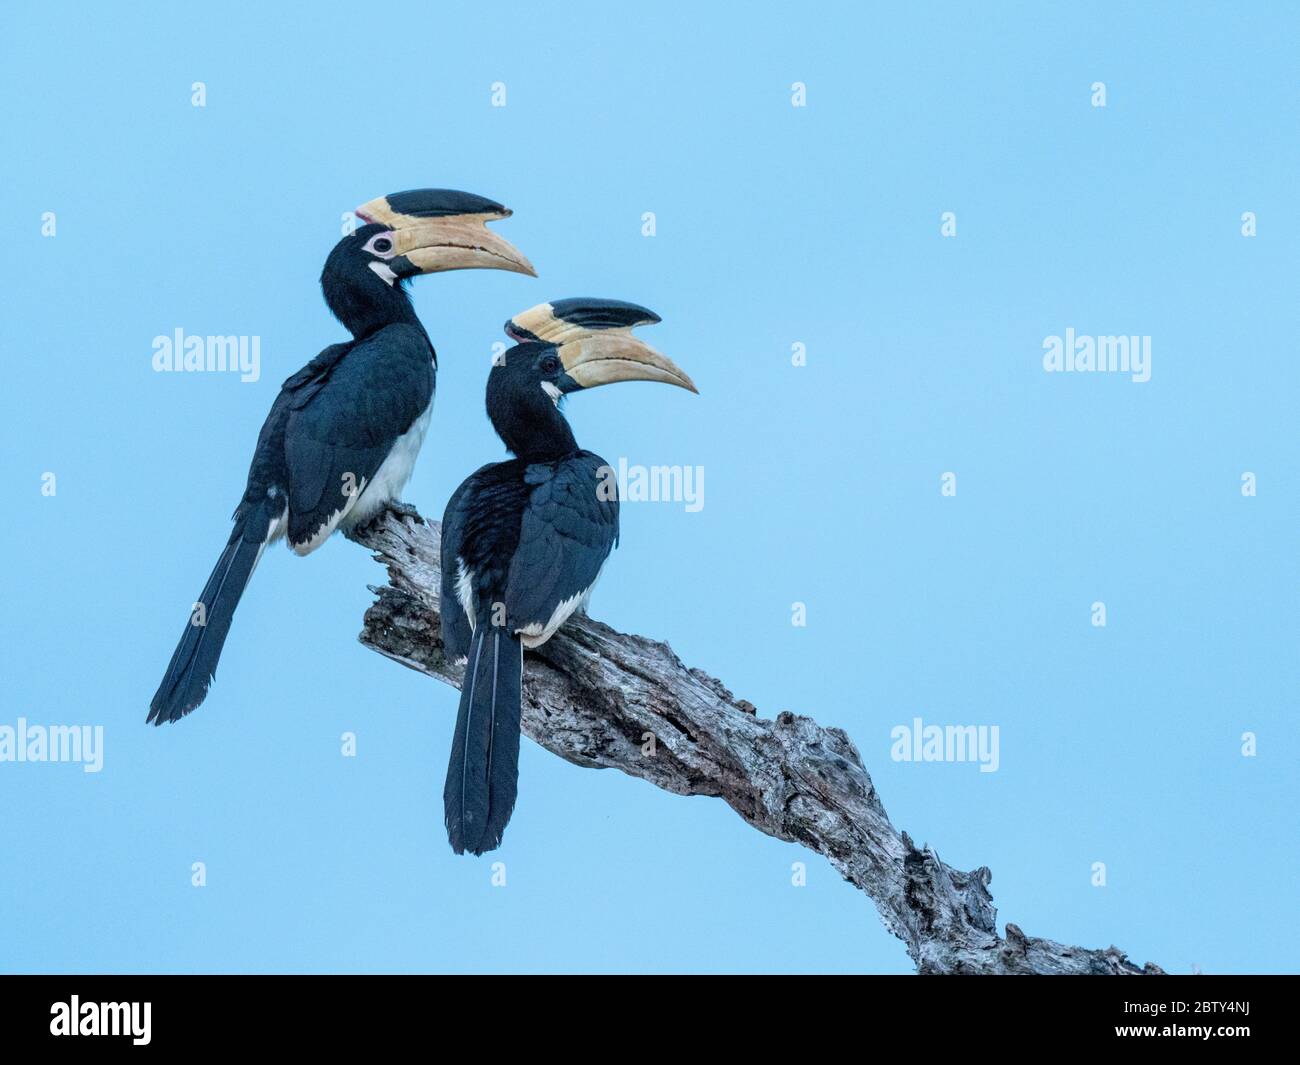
[(523, 541)]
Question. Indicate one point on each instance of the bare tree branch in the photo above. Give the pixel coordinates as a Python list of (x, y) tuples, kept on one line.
[(597, 698)]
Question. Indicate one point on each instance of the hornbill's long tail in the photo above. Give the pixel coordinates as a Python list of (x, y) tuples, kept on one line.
[(483, 776), (194, 663)]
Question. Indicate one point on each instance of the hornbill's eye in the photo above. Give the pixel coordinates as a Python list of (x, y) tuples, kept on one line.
[(550, 364), (383, 244)]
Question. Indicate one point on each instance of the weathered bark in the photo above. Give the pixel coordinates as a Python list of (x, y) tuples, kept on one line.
[(598, 698)]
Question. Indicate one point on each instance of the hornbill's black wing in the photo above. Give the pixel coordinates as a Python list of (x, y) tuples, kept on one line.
[(456, 627), (531, 538), (480, 530), (568, 530), (194, 663), (343, 423)]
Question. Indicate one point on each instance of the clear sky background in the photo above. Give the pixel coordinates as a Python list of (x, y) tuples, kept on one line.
[(776, 225)]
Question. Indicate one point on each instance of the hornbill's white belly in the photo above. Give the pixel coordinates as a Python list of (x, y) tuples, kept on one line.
[(392, 475), (537, 633)]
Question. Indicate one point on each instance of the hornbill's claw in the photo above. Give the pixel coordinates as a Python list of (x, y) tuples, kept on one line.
[(404, 510), (395, 507)]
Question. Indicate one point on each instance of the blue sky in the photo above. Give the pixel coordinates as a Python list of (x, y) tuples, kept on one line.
[(775, 225)]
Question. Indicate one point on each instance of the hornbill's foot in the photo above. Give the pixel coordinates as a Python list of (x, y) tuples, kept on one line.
[(395, 507), (404, 510)]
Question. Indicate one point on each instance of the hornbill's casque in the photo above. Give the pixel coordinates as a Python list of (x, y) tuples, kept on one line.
[(343, 434), (523, 541)]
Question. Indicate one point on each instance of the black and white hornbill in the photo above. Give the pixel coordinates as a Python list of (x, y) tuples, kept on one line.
[(343, 434), (523, 541)]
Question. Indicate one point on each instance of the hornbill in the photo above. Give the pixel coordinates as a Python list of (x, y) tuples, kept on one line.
[(523, 541), (343, 434)]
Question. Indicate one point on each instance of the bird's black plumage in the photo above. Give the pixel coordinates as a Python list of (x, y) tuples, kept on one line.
[(338, 436), (342, 435), (532, 535), (483, 773), (328, 433), (523, 542)]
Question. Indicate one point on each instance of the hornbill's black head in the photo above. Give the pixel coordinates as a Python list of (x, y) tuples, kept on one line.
[(566, 346), (422, 231)]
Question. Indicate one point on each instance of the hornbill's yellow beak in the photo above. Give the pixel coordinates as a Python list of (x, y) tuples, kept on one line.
[(594, 340), (442, 229)]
